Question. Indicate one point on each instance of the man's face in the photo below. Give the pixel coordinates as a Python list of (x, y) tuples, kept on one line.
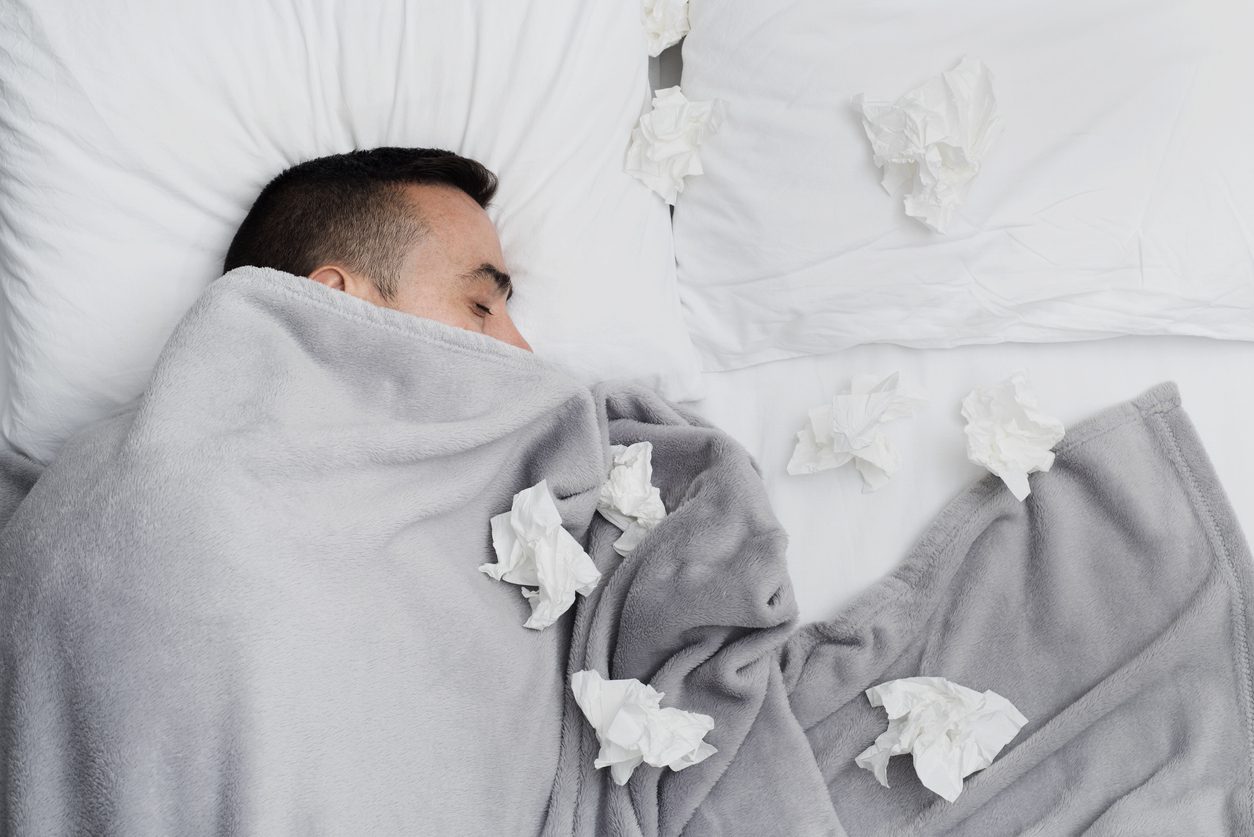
[(454, 275)]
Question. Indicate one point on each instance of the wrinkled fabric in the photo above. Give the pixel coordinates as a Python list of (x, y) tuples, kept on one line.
[(1112, 607), (1122, 577), (252, 605)]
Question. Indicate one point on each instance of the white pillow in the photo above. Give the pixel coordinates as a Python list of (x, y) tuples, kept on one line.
[(1119, 199), (134, 138)]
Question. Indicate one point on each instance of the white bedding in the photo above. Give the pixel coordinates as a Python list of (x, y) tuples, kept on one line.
[(133, 141), (843, 540), (1117, 201)]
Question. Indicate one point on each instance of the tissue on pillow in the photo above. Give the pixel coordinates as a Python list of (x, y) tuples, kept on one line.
[(1117, 200), (933, 139), (665, 145), (132, 143)]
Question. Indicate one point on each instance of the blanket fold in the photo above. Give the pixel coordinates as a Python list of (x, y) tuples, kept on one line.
[(1112, 608), (252, 606)]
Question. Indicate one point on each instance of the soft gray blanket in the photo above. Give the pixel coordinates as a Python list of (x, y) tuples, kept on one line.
[(251, 606), (1112, 608)]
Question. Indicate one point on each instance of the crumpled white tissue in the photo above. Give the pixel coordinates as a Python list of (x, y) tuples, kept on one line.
[(952, 731), (533, 549), (665, 23), (666, 142), (633, 728), (1008, 434), (934, 139), (629, 499), (848, 429)]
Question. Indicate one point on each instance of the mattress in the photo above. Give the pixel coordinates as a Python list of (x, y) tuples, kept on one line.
[(843, 540)]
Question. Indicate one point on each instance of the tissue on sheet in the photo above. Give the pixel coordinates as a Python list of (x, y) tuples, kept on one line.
[(666, 142), (628, 497), (950, 730), (934, 138), (1008, 434), (849, 430), (533, 549), (633, 728), (665, 23)]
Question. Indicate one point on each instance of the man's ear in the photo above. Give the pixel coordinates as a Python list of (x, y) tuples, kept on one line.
[(332, 276)]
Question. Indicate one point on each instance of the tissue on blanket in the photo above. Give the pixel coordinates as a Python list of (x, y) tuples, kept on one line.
[(849, 430), (934, 138), (1008, 434), (223, 599), (533, 549), (628, 498), (666, 142), (997, 592), (633, 727), (950, 730), (665, 23)]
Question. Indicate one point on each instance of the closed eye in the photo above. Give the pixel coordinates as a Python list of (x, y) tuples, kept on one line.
[(483, 309)]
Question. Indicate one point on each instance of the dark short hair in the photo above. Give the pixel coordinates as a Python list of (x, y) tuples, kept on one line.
[(350, 209)]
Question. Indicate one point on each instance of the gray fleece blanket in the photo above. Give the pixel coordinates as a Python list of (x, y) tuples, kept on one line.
[(251, 606)]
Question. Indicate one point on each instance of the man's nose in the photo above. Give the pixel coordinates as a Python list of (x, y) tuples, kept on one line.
[(511, 335)]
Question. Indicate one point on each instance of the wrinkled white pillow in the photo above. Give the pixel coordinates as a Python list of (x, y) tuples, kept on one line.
[(1118, 199), (133, 140)]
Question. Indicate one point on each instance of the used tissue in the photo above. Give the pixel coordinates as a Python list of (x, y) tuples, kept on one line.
[(950, 730), (633, 728), (934, 138), (666, 142), (1008, 434), (629, 499), (533, 549), (665, 23), (848, 429)]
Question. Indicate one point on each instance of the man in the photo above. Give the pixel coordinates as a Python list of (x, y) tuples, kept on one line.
[(403, 228), (254, 605), (287, 631)]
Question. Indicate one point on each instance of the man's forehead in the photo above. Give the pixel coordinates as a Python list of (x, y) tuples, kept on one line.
[(448, 211), (441, 197)]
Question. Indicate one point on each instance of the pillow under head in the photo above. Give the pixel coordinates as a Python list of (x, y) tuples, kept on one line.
[(134, 139)]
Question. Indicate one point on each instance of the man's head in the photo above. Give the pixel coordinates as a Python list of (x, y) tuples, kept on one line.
[(404, 228)]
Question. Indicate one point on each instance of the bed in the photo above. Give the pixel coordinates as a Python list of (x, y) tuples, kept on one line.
[(844, 540), (131, 147)]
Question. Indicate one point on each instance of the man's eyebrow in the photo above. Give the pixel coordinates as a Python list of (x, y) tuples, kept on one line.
[(490, 271)]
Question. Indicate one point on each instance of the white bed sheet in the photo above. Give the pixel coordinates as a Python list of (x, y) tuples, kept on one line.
[(842, 540)]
